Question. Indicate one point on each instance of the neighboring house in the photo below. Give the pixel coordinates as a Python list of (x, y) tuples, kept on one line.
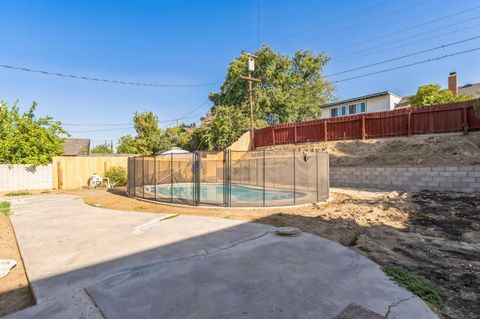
[(377, 102), (76, 147)]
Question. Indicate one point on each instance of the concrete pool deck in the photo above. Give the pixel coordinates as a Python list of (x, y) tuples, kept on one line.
[(88, 262)]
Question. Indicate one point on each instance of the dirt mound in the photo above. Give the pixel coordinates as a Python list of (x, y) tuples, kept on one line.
[(423, 150)]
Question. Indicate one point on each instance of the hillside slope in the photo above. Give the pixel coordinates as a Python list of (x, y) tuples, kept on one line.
[(421, 150)]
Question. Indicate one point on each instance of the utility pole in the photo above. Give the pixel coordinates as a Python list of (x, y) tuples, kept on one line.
[(250, 79)]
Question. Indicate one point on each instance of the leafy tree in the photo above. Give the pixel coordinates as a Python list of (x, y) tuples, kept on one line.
[(26, 139), (291, 89), (433, 94), (151, 139), (127, 145), (104, 148)]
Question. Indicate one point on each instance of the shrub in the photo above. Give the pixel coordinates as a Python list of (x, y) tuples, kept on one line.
[(415, 283), (18, 193), (4, 208), (117, 176)]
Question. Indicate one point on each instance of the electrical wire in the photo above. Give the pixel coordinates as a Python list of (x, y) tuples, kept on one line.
[(407, 44), (406, 29), (407, 65), (404, 56), (80, 77), (329, 22), (369, 20), (408, 37)]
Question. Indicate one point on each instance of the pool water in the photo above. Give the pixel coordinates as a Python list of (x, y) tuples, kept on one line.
[(211, 192)]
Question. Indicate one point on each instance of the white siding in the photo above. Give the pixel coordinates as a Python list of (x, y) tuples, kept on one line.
[(374, 104)]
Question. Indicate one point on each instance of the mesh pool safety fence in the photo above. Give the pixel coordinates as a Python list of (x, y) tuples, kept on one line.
[(231, 178)]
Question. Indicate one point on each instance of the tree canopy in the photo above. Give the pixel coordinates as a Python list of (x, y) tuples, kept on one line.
[(431, 94), (150, 139), (291, 89), (104, 148), (26, 139)]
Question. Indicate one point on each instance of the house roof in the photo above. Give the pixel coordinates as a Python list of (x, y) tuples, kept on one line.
[(470, 89), (363, 97), (76, 147)]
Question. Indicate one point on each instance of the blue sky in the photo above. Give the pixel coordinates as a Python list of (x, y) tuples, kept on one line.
[(193, 41)]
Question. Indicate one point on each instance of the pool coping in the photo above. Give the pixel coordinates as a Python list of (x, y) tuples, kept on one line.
[(229, 207)]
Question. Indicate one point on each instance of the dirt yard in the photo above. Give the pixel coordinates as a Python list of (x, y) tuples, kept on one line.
[(439, 149), (433, 234), (15, 293)]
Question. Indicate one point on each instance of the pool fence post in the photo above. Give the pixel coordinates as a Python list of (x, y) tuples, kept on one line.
[(155, 176), (264, 177), (171, 177), (134, 176), (294, 186), (143, 176), (316, 170)]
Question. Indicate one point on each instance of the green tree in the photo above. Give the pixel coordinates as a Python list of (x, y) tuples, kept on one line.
[(105, 148), (431, 94), (291, 89), (26, 139), (151, 139)]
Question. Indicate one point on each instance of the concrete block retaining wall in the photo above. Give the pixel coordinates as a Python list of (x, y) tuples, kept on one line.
[(18, 177), (442, 178)]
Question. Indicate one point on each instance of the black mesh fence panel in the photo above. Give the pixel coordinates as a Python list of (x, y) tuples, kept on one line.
[(231, 178)]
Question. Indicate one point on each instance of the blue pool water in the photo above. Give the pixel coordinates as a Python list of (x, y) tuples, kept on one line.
[(212, 192)]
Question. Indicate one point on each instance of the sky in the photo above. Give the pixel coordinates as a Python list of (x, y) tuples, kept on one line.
[(192, 42)]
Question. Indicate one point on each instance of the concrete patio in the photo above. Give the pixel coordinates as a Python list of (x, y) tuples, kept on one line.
[(88, 262)]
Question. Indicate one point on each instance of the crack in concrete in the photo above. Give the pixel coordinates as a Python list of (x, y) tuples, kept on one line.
[(138, 269), (393, 305)]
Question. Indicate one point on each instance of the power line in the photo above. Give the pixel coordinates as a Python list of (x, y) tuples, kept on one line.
[(80, 77), (329, 22), (407, 65), (369, 20), (409, 37), (407, 44), (404, 56), (103, 130), (406, 29)]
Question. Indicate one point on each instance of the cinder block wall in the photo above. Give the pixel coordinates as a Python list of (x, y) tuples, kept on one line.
[(18, 177), (442, 178)]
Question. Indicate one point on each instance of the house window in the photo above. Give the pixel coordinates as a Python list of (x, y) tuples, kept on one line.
[(363, 107), (343, 110), (334, 112), (352, 109)]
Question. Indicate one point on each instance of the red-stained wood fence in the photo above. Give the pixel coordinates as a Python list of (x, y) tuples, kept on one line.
[(442, 118)]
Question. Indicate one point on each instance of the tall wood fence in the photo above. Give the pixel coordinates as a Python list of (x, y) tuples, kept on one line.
[(442, 118), (73, 172)]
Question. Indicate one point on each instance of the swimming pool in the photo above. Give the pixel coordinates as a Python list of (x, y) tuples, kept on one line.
[(213, 193)]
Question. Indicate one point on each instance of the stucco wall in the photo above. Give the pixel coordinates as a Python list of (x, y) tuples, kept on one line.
[(441, 178), (20, 177)]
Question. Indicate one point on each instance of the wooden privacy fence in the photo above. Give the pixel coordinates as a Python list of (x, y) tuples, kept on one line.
[(442, 118), (73, 172)]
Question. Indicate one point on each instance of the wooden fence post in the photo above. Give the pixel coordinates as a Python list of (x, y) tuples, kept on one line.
[(409, 123), (295, 134), (465, 120), (273, 136), (325, 131), (363, 127)]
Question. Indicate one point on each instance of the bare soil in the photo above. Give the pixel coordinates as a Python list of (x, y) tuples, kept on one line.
[(15, 293), (422, 150), (436, 235)]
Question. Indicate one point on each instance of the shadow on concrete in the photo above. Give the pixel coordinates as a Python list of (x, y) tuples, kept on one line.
[(258, 274)]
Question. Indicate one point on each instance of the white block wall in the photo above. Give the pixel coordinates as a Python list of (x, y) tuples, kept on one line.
[(21, 177), (440, 178)]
